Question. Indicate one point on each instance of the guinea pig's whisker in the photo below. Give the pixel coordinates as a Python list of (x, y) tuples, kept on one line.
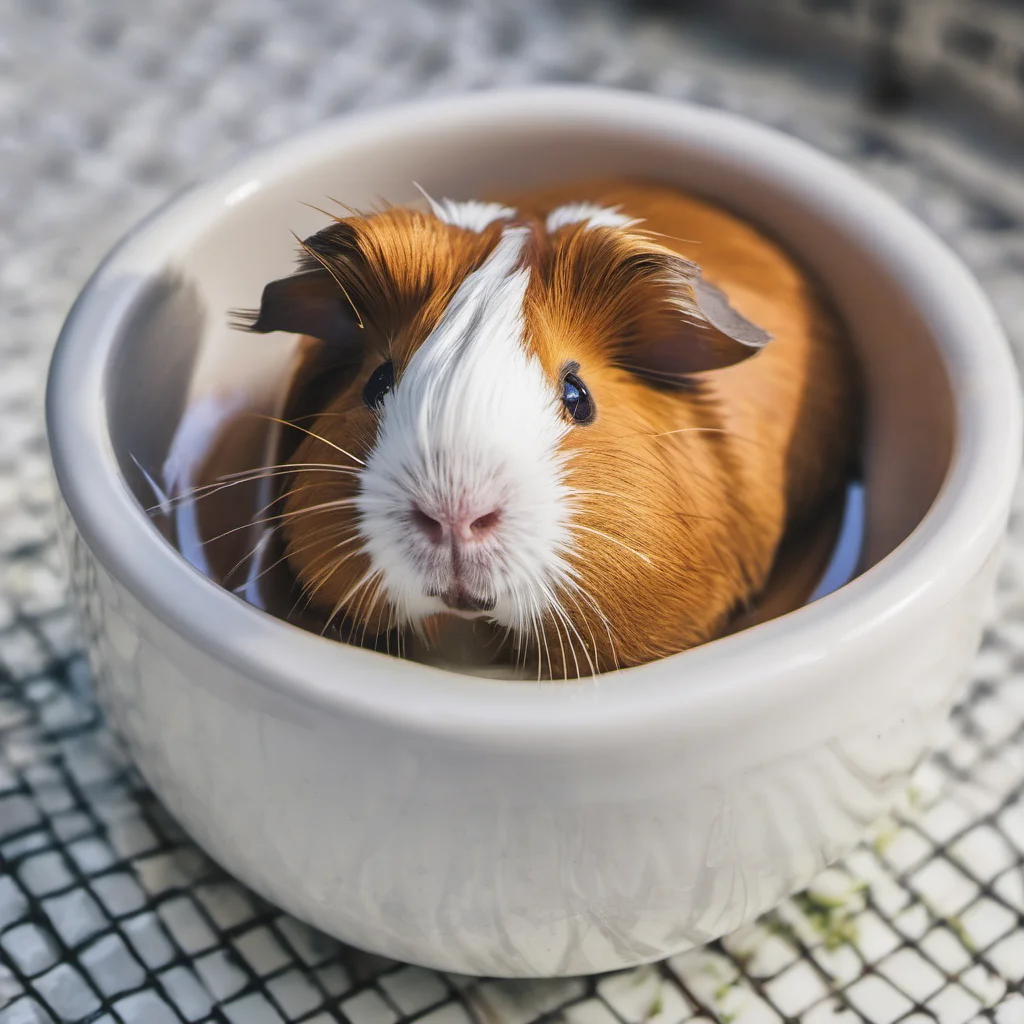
[(561, 646), (319, 507), (692, 430), (371, 595), (559, 620), (556, 605), (323, 263), (274, 564), (513, 630), (669, 517), (329, 216), (425, 633), (315, 579), (369, 575), (583, 644), (350, 210), (340, 606), (356, 613), (712, 430), (503, 639), (524, 624), (576, 588), (311, 580), (297, 490), (664, 234), (247, 476), (330, 565), (536, 628), (572, 632), (193, 494), (336, 542), (340, 503), (614, 540), (305, 597), (384, 606), (163, 501), (311, 433), (601, 460), (561, 627), (605, 621), (311, 586), (253, 521), (284, 558), (248, 556), (542, 636), (291, 467)]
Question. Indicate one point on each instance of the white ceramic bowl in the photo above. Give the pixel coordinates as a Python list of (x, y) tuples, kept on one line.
[(517, 829)]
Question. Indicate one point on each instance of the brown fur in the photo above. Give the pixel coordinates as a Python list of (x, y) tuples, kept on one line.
[(687, 487)]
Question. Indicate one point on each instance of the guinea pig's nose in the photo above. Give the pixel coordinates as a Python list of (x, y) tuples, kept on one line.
[(466, 528)]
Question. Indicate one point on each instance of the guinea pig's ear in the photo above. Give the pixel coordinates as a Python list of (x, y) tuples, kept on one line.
[(310, 303), (690, 327)]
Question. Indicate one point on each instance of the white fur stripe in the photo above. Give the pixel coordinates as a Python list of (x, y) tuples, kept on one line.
[(593, 215), (470, 214), (475, 423)]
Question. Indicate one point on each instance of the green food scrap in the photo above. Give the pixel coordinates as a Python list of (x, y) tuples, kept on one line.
[(728, 982), (774, 925), (730, 986), (720, 995), (657, 1005), (885, 838), (952, 922), (722, 991), (957, 927), (843, 933), (642, 975), (743, 957), (831, 917), (818, 902)]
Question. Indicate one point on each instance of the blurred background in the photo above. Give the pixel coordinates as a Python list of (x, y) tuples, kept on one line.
[(107, 913)]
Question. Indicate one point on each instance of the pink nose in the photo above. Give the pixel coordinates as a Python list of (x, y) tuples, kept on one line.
[(467, 529)]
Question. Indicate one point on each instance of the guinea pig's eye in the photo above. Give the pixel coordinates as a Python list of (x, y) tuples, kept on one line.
[(381, 381), (576, 399)]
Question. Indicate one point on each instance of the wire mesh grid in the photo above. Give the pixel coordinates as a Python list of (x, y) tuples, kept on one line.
[(107, 911)]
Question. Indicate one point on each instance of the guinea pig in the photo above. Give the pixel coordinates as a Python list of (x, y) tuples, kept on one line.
[(588, 415)]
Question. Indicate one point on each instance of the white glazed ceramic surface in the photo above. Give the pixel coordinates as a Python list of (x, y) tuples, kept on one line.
[(517, 829)]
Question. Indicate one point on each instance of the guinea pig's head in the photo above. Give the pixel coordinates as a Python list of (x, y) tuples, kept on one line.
[(515, 434)]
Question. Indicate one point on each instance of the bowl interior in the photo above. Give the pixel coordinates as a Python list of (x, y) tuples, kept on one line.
[(178, 351)]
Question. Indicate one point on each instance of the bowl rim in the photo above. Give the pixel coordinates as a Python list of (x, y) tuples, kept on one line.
[(757, 667)]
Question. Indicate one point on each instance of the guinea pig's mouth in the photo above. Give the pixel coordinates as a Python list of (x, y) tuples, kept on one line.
[(461, 602)]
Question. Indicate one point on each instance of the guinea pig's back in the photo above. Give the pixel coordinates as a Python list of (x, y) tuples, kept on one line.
[(790, 412)]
